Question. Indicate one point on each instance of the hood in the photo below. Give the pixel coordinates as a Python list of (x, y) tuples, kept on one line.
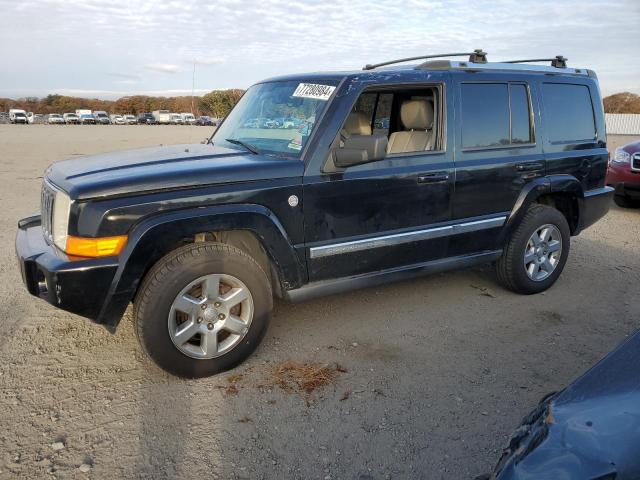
[(165, 167), (589, 430), (632, 147)]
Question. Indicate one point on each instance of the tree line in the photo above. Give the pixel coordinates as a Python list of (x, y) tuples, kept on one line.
[(624, 102), (217, 103)]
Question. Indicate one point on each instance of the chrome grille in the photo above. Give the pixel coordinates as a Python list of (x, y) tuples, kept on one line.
[(47, 196), (635, 161)]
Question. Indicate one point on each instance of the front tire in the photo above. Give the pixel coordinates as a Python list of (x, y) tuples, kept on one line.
[(536, 251), (625, 202), (203, 309)]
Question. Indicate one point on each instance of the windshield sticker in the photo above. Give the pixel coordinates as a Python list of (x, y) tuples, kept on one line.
[(314, 90)]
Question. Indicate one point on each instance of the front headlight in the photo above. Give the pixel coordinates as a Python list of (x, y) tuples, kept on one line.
[(621, 156), (60, 220)]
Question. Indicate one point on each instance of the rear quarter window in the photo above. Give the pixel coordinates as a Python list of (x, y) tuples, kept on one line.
[(568, 112)]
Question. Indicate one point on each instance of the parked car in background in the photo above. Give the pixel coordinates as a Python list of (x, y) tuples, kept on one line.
[(146, 118), (623, 174), (204, 120), (35, 118), (85, 116), (588, 430), (71, 118), (162, 117), (130, 119), (55, 119), (188, 118), (17, 115), (4, 117), (87, 119), (101, 117), (176, 119), (117, 119)]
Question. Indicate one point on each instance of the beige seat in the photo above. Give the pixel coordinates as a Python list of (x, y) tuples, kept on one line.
[(357, 124), (417, 120)]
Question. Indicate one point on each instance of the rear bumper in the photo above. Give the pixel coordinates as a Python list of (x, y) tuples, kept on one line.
[(77, 285), (593, 206)]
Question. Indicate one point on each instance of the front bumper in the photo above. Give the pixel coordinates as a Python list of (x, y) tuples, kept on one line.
[(593, 206), (624, 180), (75, 284)]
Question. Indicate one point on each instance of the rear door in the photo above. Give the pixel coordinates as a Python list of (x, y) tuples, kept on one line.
[(497, 153)]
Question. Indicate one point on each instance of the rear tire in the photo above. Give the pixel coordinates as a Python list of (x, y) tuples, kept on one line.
[(531, 263), (160, 323)]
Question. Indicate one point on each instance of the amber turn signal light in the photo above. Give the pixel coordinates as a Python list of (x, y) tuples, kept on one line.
[(95, 247)]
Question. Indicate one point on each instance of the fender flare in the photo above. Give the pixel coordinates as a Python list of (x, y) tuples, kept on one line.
[(566, 184), (153, 237)]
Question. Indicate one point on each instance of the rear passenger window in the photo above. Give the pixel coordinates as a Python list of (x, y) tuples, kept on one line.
[(485, 115), (495, 115), (568, 114)]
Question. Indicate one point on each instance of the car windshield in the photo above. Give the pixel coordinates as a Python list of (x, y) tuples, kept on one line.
[(256, 120)]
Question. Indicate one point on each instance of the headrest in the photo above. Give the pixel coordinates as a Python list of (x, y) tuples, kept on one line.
[(357, 124), (417, 114)]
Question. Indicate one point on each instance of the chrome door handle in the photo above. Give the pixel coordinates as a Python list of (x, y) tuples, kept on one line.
[(433, 177), (528, 167)]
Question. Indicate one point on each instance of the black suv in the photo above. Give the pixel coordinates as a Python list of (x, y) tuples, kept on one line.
[(383, 174)]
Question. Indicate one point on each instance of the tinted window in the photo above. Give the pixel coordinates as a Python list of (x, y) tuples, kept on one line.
[(520, 116), (568, 114), (485, 114)]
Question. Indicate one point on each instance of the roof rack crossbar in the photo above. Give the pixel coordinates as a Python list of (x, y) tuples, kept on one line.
[(477, 56), (558, 61)]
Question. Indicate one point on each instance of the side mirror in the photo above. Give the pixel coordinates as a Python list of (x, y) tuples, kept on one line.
[(359, 149)]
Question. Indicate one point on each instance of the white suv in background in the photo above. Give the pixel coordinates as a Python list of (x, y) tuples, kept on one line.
[(188, 118), (55, 119), (117, 119), (71, 118)]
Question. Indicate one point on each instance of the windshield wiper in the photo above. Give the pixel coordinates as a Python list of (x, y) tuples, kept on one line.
[(246, 145)]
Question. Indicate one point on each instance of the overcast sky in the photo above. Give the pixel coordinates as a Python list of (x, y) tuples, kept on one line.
[(112, 48)]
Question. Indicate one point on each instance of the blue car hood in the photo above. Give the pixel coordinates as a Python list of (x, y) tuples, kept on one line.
[(590, 430), (165, 167)]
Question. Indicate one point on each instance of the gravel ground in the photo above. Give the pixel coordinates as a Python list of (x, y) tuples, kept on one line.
[(438, 370)]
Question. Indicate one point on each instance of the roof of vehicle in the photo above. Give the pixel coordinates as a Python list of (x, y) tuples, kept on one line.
[(437, 63)]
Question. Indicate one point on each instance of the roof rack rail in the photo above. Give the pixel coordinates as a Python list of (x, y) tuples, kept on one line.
[(559, 61), (477, 56)]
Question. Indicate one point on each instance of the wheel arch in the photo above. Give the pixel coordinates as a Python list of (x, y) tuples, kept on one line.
[(250, 227), (562, 192)]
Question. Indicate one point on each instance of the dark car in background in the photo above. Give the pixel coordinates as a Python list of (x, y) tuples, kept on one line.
[(588, 431), (623, 174), (146, 118), (204, 120), (87, 119)]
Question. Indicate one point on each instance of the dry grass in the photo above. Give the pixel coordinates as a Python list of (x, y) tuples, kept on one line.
[(304, 378)]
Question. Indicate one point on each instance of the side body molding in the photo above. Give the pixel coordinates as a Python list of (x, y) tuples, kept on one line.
[(154, 237)]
